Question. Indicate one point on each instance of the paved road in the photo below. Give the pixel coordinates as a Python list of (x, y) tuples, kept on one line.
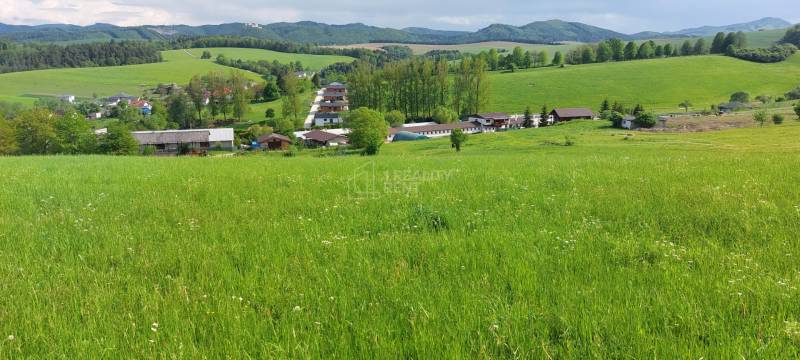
[(314, 108)]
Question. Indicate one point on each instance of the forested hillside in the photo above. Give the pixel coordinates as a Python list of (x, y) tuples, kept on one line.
[(23, 57)]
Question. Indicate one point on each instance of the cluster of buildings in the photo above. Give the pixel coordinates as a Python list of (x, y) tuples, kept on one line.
[(170, 141), (107, 104), (331, 102)]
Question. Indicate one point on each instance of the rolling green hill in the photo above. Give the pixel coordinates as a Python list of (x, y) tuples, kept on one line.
[(313, 62), (650, 246), (659, 84), (178, 66), (319, 33)]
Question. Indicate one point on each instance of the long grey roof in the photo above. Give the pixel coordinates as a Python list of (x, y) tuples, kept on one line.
[(438, 127), (573, 112), (171, 137)]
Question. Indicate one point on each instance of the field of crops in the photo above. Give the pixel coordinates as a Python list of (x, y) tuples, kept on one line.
[(643, 246), (659, 84), (178, 66)]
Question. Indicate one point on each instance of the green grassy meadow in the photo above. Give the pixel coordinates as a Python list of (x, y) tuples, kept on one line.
[(178, 66), (645, 246), (658, 84)]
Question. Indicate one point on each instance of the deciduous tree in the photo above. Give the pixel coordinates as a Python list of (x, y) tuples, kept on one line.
[(457, 139), (368, 130)]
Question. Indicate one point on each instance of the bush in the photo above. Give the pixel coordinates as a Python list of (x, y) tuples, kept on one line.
[(645, 120), (740, 97), (774, 54), (777, 119), (443, 115), (793, 94), (395, 118), (797, 110), (149, 150), (616, 119), (760, 117)]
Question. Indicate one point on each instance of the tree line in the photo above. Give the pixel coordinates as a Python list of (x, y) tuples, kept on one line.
[(263, 44), (41, 132), (23, 57), (418, 87)]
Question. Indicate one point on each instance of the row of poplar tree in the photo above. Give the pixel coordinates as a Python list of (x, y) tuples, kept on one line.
[(417, 87)]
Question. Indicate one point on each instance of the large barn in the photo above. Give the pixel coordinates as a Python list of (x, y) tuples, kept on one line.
[(170, 141)]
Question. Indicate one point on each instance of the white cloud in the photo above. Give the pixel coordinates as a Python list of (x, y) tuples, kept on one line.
[(82, 12)]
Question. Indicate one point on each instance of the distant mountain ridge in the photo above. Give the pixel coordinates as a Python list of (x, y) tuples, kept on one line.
[(550, 31), (768, 23)]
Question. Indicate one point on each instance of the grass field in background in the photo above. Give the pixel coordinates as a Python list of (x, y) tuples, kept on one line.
[(645, 246), (178, 66), (313, 62), (658, 84)]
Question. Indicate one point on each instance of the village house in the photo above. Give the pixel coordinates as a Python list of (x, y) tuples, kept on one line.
[(94, 116), (336, 87), (503, 121), (629, 122), (67, 98), (274, 142), (170, 141), (323, 119), (142, 105), (120, 98), (333, 106), (334, 96), (318, 138), (497, 119), (569, 114)]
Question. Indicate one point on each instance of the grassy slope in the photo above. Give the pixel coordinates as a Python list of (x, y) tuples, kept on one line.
[(660, 246), (314, 62), (179, 66), (659, 84)]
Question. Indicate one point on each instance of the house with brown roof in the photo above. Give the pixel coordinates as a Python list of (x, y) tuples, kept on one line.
[(334, 96), (496, 119), (569, 114), (333, 106), (318, 138), (336, 87), (274, 142)]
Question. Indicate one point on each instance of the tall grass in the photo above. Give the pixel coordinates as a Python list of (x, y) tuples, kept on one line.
[(660, 246)]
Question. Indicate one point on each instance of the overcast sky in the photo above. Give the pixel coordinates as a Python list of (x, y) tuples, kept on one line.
[(627, 16)]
